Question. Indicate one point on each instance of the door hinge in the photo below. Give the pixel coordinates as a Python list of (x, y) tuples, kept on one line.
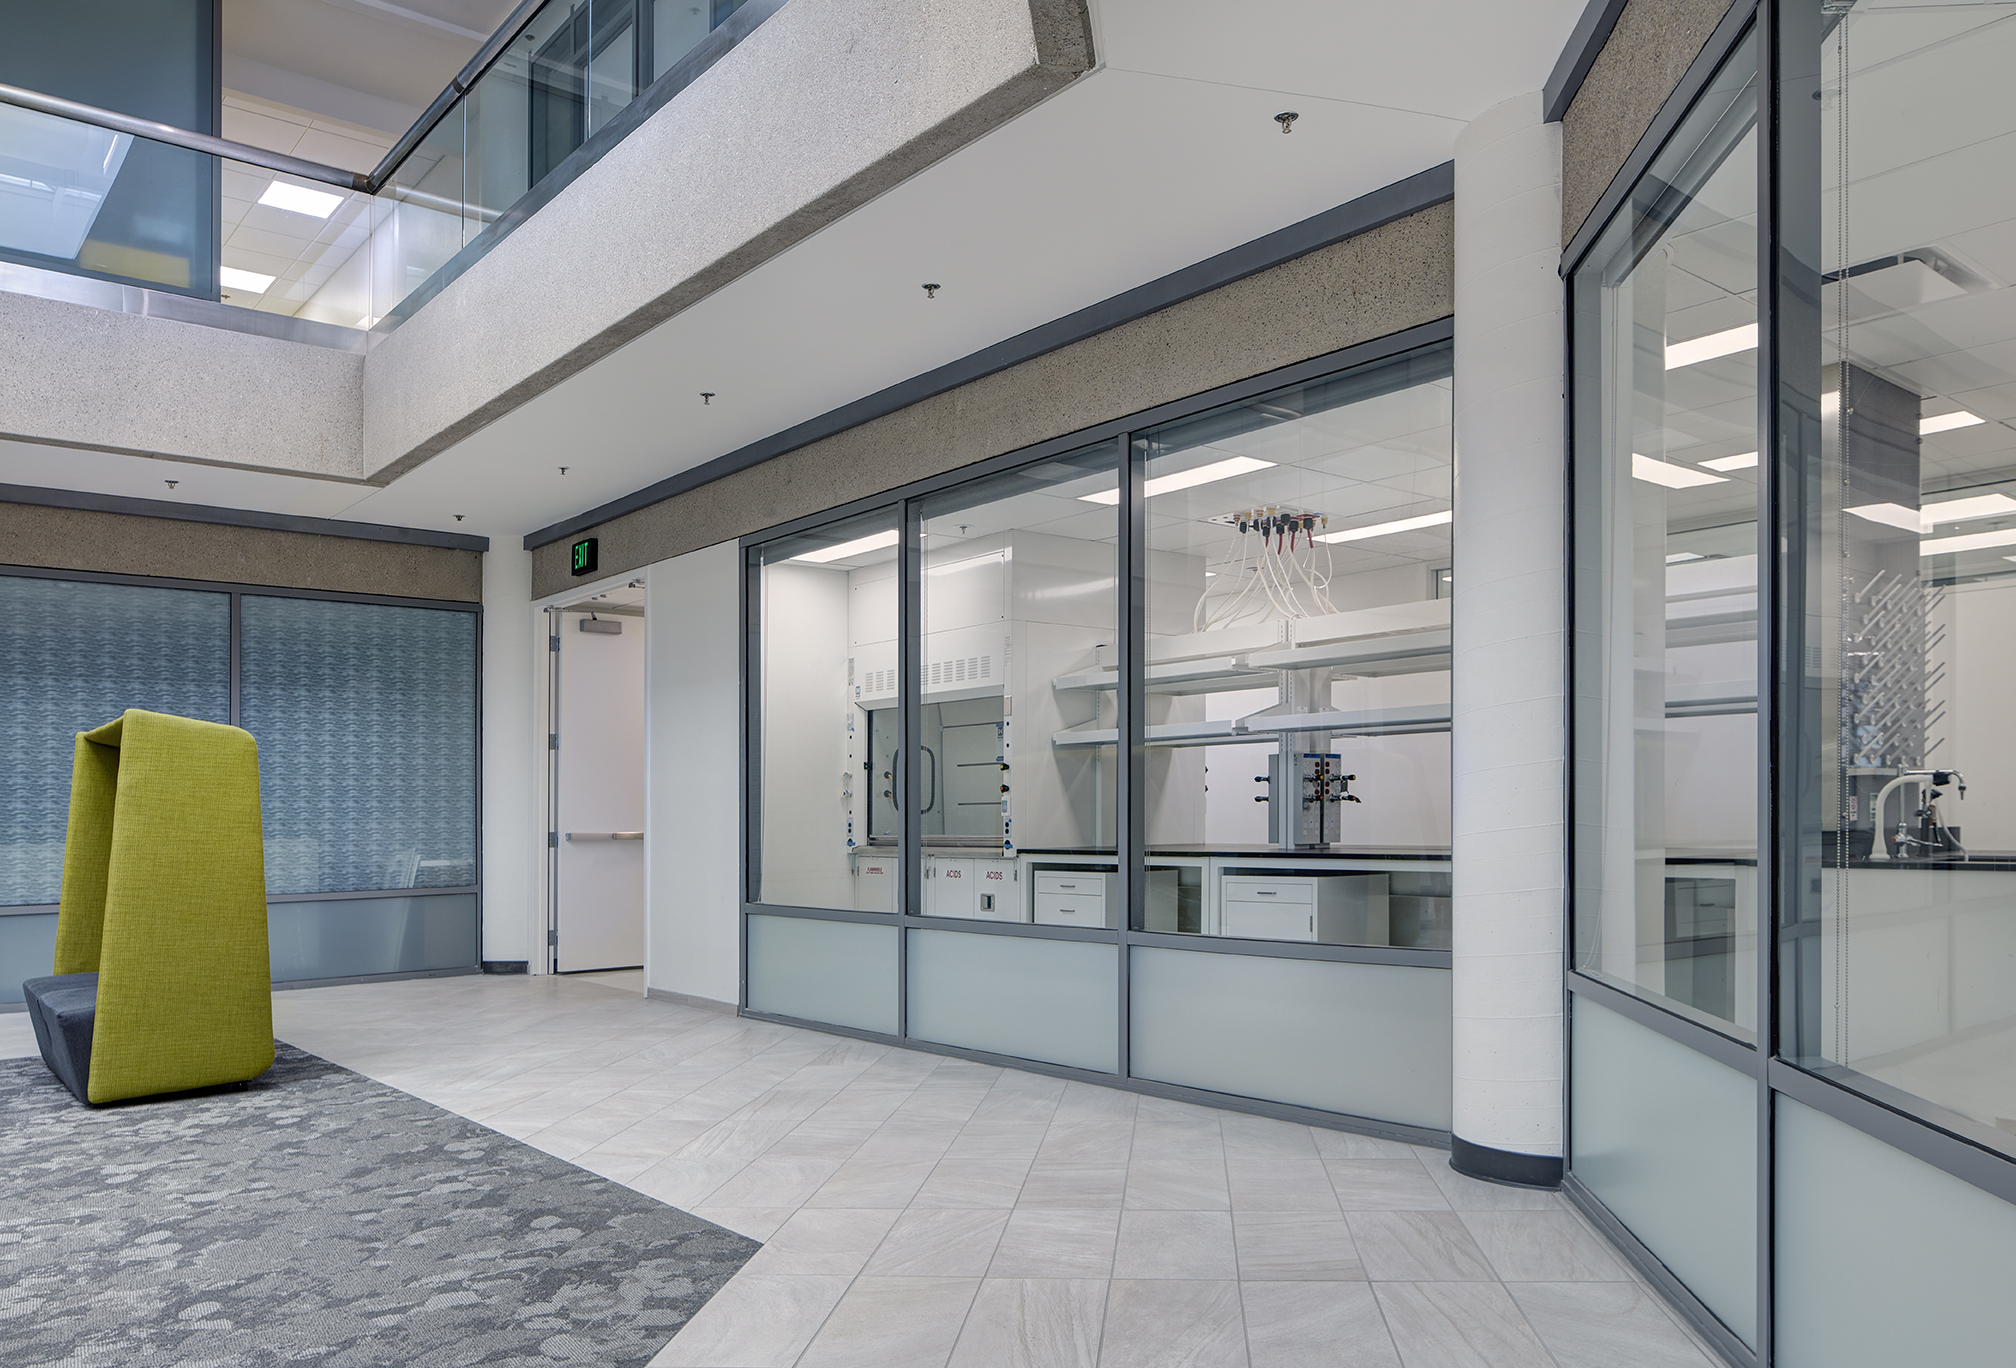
[(553, 840), (552, 643), (552, 937), (552, 740)]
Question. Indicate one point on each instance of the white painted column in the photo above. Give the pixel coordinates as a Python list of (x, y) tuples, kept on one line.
[(511, 857), (1508, 744), (693, 823)]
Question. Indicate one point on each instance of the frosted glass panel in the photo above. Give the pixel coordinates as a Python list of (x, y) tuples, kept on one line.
[(1053, 1000), (73, 656), (1367, 1040), (366, 721), (1667, 1139), (27, 950), (843, 973), (343, 938)]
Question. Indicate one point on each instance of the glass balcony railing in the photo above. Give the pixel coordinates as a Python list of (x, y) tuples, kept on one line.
[(97, 194)]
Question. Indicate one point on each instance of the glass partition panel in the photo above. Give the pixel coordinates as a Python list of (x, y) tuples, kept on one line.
[(365, 717), (1902, 954), (295, 246), (1053, 1000), (1296, 1031), (27, 950), (74, 656), (1297, 656), (353, 937), (1017, 684), (1883, 1259), (827, 820), (1667, 1139), (1666, 497), (842, 973)]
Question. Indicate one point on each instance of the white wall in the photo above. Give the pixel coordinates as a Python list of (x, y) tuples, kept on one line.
[(511, 858), (693, 831)]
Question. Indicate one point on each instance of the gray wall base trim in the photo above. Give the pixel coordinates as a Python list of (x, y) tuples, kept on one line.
[(6, 1007), (1508, 1168), (238, 517), (1396, 201), (1685, 1304), (705, 1004), (378, 978), (1174, 1092), (505, 966)]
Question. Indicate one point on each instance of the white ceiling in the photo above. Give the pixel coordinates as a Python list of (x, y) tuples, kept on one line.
[(1165, 155)]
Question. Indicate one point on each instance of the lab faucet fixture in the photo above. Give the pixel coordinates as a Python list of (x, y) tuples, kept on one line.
[(1928, 814)]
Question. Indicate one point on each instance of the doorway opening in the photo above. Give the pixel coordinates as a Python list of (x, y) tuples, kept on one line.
[(595, 782)]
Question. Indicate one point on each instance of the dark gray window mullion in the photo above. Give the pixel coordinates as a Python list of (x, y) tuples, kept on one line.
[(1130, 799), (237, 621), (910, 727), (750, 661)]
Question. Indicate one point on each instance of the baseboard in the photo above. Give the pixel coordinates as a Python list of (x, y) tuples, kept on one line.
[(504, 966), (690, 1000), (1506, 1167)]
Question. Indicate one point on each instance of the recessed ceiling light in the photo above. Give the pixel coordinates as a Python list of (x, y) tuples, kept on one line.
[(1672, 476), (1743, 462), (299, 199), (1385, 528), (1700, 349), (1678, 557), (859, 546), (1925, 519), (244, 280), (1205, 474), (1946, 422), (1967, 541)]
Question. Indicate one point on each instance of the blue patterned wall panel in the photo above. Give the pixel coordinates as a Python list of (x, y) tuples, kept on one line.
[(366, 721), (74, 656)]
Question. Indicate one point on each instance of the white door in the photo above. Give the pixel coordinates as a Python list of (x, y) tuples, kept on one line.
[(599, 797)]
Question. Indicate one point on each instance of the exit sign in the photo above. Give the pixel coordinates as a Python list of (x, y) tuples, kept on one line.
[(581, 556)]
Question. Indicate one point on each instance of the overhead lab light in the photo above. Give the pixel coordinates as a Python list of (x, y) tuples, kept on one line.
[(1946, 422), (860, 546), (1383, 529), (1672, 476), (1682, 557), (1699, 349), (1925, 519), (299, 199), (1204, 474), (1743, 462), (1967, 541), (233, 278)]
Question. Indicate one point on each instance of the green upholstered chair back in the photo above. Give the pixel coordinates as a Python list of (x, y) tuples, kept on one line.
[(164, 898)]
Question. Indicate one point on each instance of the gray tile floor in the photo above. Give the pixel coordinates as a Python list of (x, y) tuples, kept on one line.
[(922, 1212)]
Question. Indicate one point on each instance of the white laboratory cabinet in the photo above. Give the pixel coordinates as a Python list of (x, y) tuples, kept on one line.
[(976, 888), (1333, 909)]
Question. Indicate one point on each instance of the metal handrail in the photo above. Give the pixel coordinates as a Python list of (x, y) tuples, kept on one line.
[(485, 58), (182, 137)]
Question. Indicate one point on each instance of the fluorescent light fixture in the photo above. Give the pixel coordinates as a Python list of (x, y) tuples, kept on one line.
[(1679, 556), (1672, 476), (1382, 529), (233, 278), (1205, 474), (859, 546), (299, 199), (1924, 520), (1967, 541), (1743, 462), (1707, 348), (1946, 422)]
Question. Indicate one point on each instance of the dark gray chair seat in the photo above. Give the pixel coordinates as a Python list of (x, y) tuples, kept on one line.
[(64, 1009)]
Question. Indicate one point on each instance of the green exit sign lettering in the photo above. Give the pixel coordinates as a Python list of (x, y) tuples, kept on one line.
[(581, 557)]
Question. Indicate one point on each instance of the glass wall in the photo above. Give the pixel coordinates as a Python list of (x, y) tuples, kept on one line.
[(995, 708), (366, 719), (1789, 692), (1666, 745)]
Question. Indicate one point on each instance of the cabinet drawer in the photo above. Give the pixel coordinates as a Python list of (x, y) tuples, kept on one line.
[(1270, 921), (1068, 909), (1091, 884), (1270, 890)]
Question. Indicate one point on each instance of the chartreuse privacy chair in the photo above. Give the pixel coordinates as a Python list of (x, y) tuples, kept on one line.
[(162, 977)]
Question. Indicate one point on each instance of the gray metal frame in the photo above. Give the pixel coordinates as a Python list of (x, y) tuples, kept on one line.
[(238, 591), (1788, 37), (903, 506)]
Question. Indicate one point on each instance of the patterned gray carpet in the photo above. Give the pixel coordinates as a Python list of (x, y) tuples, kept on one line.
[(319, 1217)]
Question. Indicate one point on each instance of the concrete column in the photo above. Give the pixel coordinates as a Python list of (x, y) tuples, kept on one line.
[(511, 857), (1508, 744)]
